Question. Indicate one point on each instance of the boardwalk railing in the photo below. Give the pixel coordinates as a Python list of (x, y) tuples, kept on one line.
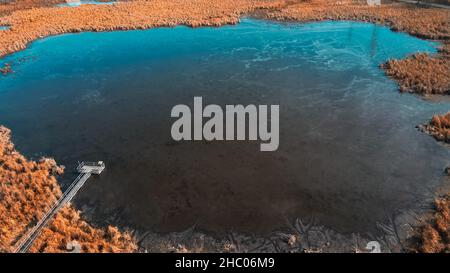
[(86, 169)]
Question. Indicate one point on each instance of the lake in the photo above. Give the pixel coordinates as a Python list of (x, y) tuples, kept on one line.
[(349, 152)]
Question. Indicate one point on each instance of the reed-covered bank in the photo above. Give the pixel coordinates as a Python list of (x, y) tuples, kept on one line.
[(27, 190)]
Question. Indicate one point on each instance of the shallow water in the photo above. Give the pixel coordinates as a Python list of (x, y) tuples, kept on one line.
[(79, 3), (4, 27), (349, 152)]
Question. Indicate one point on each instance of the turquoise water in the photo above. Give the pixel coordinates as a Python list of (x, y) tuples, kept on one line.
[(79, 3), (349, 154), (4, 27)]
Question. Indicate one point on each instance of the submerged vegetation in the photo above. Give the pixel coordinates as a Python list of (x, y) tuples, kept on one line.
[(5, 69)]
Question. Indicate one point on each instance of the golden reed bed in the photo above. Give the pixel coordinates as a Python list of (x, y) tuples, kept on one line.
[(27, 190), (438, 127)]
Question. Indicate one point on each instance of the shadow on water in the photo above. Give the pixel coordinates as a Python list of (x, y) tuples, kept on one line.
[(349, 151)]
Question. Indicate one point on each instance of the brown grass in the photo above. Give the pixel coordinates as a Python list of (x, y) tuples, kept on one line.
[(421, 73), (438, 127), (8, 6), (434, 235), (68, 226), (32, 24), (27, 191), (430, 23)]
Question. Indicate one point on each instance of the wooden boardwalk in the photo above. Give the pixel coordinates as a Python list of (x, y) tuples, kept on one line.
[(86, 169)]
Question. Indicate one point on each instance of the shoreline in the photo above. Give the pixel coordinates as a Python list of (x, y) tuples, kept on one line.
[(25, 29), (298, 235), (414, 74), (28, 188)]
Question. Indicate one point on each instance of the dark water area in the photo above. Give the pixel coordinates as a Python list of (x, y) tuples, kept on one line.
[(349, 152)]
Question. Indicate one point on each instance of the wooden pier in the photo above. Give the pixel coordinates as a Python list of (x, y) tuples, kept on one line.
[(86, 169)]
